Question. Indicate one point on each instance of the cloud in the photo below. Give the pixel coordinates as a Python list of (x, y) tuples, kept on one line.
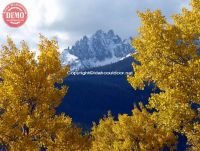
[(68, 20)]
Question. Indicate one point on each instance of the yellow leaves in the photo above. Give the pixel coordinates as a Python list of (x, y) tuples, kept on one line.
[(189, 21), (29, 98), (49, 56), (193, 136), (136, 132), (168, 57), (195, 5), (149, 16), (104, 135)]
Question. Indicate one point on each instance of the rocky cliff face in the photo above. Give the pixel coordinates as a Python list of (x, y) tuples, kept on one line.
[(100, 49)]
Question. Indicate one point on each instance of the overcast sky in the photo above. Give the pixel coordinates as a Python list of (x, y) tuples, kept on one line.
[(69, 20)]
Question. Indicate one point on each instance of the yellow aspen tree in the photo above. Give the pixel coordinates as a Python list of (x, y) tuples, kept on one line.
[(138, 132), (29, 96), (168, 56)]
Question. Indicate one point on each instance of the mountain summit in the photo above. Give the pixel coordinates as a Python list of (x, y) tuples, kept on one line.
[(98, 50)]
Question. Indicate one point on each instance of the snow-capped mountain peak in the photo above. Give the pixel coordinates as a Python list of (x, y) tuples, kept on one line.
[(100, 49)]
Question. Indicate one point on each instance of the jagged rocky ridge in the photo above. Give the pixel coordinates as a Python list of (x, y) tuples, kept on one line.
[(98, 50)]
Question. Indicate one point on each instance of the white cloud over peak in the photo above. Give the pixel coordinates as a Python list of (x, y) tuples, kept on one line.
[(68, 20)]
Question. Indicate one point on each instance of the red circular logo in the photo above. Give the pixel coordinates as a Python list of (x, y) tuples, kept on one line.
[(15, 15)]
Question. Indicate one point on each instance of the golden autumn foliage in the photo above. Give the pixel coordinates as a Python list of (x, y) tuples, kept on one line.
[(168, 56), (137, 132), (29, 98)]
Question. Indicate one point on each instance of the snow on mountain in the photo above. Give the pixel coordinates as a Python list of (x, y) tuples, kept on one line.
[(98, 50), (69, 59)]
